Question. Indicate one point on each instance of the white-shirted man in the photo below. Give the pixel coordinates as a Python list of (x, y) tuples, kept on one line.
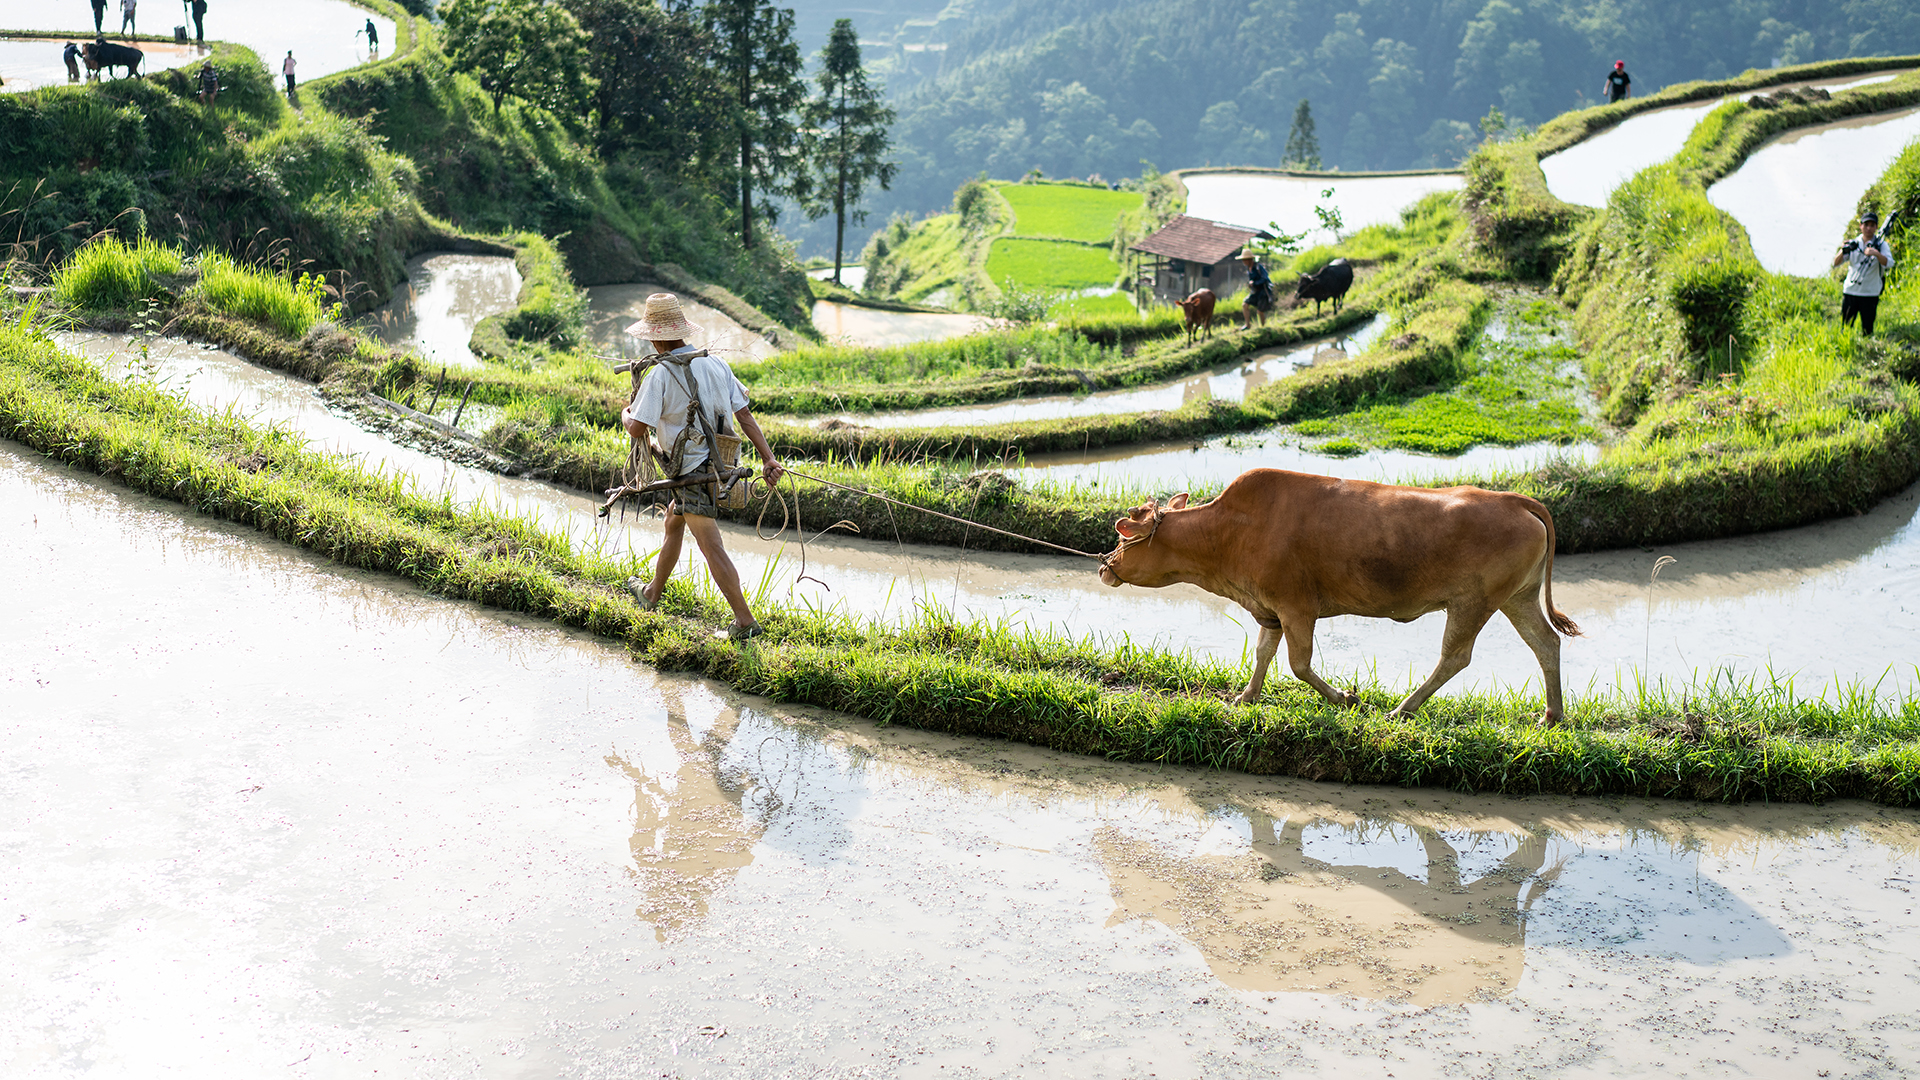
[(660, 410), (1867, 261)]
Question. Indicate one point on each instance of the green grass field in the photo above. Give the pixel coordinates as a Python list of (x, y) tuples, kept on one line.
[(1117, 305), (1067, 211), (1050, 264)]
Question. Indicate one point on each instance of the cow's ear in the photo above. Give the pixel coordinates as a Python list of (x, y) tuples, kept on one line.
[(1178, 502), (1127, 527)]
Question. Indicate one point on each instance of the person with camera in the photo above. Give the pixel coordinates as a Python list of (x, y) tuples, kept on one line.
[(1867, 259)]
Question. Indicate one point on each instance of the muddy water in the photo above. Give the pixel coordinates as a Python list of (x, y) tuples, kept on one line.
[(325, 35), (1587, 172), (33, 63), (307, 822), (1254, 199), (853, 277), (446, 296), (848, 324), (1787, 602), (613, 308), (1229, 382), (1796, 194)]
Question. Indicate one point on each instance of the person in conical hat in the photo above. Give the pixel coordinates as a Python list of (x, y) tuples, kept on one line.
[(659, 411)]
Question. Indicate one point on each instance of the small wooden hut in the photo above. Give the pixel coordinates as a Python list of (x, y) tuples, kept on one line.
[(1189, 254)]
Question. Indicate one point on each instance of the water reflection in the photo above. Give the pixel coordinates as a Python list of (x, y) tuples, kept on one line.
[(850, 324), (1254, 199), (446, 296), (613, 308), (1227, 382)]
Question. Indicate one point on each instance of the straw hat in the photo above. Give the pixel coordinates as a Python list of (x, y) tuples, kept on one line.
[(663, 320)]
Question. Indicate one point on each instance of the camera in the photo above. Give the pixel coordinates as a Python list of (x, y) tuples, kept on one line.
[(1850, 247)]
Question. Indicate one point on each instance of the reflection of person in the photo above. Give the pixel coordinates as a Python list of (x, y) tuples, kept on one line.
[(209, 83), (99, 16), (1867, 261), (127, 29), (286, 68), (663, 408), (1619, 84), (199, 22), (373, 37), (1259, 292), (72, 57)]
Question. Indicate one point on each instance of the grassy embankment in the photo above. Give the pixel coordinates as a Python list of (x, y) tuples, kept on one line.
[(1715, 742), (1742, 404)]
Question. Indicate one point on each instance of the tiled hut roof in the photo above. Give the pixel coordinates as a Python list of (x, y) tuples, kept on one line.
[(1196, 240)]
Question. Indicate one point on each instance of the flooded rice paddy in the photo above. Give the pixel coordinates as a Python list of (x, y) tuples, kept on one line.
[(445, 297), (613, 308), (325, 35), (850, 324), (1796, 195), (1787, 604), (1587, 172), (1254, 199), (287, 819), (33, 63), (1229, 382), (853, 277)]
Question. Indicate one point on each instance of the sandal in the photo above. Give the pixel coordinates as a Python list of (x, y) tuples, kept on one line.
[(740, 633), (638, 588)]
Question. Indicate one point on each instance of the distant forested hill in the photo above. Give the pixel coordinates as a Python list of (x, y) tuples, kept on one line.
[(1082, 86)]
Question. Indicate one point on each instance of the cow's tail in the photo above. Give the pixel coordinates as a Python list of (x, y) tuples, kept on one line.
[(1554, 615)]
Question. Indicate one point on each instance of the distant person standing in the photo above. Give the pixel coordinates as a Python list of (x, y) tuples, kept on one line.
[(199, 22), (1867, 261), (373, 37), (99, 16), (1619, 83), (72, 57), (286, 68), (127, 7)]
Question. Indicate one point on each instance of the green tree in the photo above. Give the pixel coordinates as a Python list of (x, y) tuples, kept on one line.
[(846, 136), (532, 50), (1303, 148), (656, 87), (759, 66)]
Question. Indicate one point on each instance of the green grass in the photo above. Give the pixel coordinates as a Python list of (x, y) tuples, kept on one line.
[(261, 296), (1716, 739), (1519, 386), (1050, 264), (108, 275), (1067, 211), (1087, 309)]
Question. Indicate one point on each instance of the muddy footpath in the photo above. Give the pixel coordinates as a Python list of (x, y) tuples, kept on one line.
[(265, 816)]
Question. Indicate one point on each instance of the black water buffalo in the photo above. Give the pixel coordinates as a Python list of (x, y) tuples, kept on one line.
[(106, 54), (1330, 282)]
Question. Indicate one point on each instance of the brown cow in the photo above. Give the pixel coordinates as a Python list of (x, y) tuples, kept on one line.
[(1198, 312), (1293, 548)]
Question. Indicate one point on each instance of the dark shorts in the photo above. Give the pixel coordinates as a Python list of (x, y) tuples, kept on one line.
[(696, 499), (1867, 308), (1260, 301)]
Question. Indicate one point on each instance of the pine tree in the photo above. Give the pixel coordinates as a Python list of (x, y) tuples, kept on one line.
[(759, 65), (846, 136), (1303, 149)]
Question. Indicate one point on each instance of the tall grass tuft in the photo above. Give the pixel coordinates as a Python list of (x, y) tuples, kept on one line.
[(109, 275), (261, 296)]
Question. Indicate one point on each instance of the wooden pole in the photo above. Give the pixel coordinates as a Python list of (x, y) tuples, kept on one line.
[(463, 405), (436, 391)]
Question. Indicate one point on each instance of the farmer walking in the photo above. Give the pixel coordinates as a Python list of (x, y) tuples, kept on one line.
[(127, 7), (286, 68), (1259, 292), (72, 57), (199, 22), (1867, 261), (373, 37), (1619, 84), (99, 16), (664, 408)]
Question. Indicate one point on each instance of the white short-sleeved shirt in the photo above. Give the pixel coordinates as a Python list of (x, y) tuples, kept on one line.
[(1865, 275), (662, 404)]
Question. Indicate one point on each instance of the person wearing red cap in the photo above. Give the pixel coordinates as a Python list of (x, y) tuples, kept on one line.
[(1619, 83)]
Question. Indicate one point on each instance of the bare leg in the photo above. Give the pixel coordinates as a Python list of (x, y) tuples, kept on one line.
[(1456, 652), (1262, 656), (706, 533), (1300, 656), (1523, 611), (669, 557)]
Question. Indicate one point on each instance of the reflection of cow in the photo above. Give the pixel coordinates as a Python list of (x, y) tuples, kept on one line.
[(106, 54), (1279, 919), (1330, 282)]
